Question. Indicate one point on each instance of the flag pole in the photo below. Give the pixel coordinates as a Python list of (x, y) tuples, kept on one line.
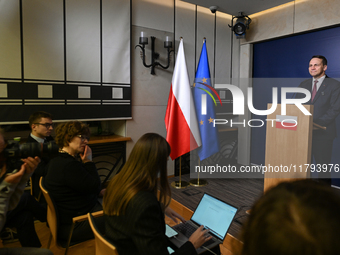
[(197, 182), (179, 113), (205, 110), (180, 184)]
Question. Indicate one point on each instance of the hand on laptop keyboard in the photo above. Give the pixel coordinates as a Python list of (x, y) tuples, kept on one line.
[(199, 237)]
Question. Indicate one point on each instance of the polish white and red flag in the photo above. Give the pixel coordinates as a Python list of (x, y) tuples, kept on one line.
[(286, 122), (180, 118)]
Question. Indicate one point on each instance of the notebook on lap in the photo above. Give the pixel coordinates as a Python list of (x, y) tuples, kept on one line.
[(212, 213)]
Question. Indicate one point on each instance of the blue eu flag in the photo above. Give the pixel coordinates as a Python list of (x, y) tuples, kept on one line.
[(205, 107)]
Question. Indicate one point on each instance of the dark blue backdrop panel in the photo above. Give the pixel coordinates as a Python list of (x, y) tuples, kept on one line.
[(289, 58)]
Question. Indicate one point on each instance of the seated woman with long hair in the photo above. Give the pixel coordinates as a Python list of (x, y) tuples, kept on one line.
[(73, 181), (134, 214)]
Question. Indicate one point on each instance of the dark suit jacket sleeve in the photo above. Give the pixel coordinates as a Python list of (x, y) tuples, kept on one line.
[(334, 104), (327, 105), (147, 235), (41, 169)]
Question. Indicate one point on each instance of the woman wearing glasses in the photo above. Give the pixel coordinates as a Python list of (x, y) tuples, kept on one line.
[(73, 181)]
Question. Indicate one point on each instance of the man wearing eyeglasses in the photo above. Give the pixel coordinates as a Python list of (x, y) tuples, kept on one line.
[(41, 125), (41, 128)]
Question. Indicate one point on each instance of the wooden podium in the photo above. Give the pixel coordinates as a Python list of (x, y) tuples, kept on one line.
[(288, 150)]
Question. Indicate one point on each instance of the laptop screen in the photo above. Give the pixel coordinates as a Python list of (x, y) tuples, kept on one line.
[(214, 214)]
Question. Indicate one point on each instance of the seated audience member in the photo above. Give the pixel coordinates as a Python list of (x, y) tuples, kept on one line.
[(133, 212), (73, 181), (300, 217), (22, 218), (41, 128), (11, 189)]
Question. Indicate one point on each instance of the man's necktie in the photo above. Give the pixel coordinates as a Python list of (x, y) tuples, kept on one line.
[(314, 90)]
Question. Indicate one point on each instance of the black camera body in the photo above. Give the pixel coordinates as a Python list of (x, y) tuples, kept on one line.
[(14, 152)]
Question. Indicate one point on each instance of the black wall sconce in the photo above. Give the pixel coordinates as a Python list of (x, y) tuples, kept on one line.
[(154, 55)]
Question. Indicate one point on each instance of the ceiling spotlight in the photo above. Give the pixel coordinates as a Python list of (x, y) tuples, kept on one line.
[(241, 25)]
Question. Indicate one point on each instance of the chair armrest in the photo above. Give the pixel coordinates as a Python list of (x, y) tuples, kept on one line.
[(98, 214), (84, 217), (79, 218)]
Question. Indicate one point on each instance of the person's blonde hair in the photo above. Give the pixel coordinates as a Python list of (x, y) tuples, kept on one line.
[(148, 158)]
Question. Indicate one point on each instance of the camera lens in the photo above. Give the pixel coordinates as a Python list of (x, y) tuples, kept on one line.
[(38, 149)]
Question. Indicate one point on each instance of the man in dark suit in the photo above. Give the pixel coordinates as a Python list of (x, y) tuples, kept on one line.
[(326, 100), (41, 127)]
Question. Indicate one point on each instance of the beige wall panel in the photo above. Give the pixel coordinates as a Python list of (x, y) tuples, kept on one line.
[(116, 41), (244, 133), (236, 61), (83, 40), (43, 35), (146, 119), (314, 14), (223, 48), (205, 28), (185, 27), (154, 14), (10, 52), (271, 23)]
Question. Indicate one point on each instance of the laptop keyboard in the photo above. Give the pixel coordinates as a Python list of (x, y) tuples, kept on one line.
[(185, 229), (188, 230)]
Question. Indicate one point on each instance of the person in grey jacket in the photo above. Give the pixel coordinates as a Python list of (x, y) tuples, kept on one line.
[(11, 189)]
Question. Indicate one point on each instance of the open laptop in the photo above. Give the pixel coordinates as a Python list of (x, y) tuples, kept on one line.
[(212, 213)]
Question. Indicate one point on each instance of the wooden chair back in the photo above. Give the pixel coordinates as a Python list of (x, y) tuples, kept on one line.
[(103, 247), (52, 219), (36, 196)]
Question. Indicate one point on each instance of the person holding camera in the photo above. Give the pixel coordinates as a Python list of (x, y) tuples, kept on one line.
[(72, 180), (11, 189), (41, 128)]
